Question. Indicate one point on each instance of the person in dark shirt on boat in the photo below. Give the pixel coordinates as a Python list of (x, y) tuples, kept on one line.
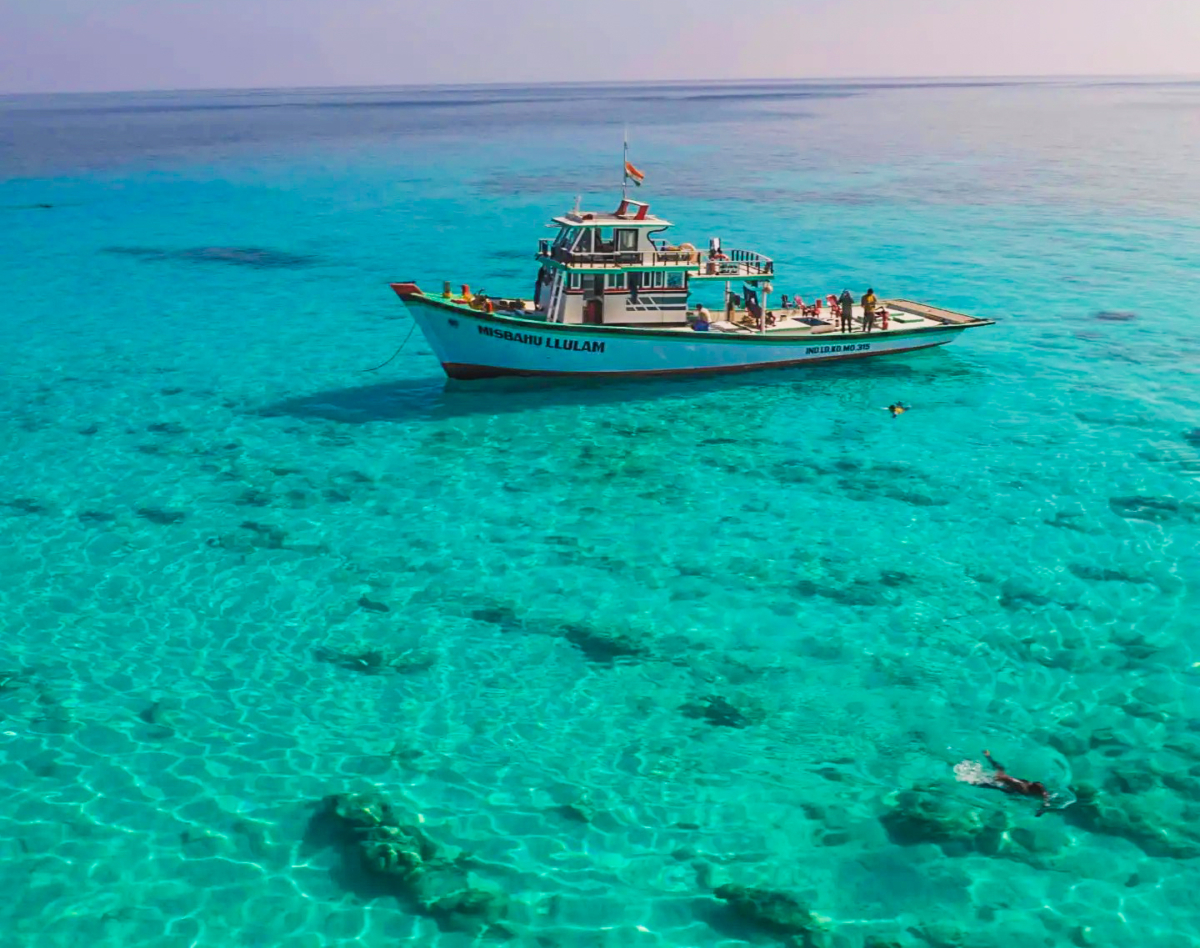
[(868, 304), (1001, 780), (846, 311)]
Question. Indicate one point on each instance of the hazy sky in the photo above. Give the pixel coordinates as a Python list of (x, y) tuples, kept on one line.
[(92, 45)]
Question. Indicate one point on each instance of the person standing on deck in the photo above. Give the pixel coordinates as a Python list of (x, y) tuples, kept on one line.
[(846, 304), (868, 304)]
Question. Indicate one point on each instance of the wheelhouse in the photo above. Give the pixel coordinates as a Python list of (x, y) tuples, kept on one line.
[(616, 269)]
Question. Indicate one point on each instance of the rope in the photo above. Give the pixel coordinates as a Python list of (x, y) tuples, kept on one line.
[(396, 353)]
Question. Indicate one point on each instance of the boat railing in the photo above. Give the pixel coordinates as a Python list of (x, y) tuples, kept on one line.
[(738, 265), (742, 262), (751, 261), (677, 257), (604, 258)]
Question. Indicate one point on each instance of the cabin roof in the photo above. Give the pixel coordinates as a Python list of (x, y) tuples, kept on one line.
[(587, 219)]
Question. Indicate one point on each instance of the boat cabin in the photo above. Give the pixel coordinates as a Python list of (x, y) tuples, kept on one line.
[(615, 269)]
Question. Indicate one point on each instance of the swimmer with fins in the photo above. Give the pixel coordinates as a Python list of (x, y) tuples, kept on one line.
[(899, 408), (1001, 780)]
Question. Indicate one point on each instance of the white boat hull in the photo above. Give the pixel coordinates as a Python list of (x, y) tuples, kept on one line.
[(473, 345)]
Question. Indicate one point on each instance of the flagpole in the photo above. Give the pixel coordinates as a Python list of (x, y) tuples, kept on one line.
[(624, 164)]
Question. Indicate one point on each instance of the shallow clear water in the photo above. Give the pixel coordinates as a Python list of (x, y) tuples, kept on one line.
[(648, 638)]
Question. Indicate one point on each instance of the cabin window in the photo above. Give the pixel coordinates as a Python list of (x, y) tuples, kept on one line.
[(574, 284), (626, 240), (656, 278), (616, 281), (565, 236), (584, 244), (674, 280), (604, 240)]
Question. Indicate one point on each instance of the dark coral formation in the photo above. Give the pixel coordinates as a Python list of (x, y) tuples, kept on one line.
[(412, 866), (261, 536), (930, 815), (256, 257), (95, 517), (1016, 596), (924, 815), (775, 912), (1066, 521), (1097, 574), (269, 536), (25, 505), (575, 812), (1124, 812), (253, 497), (860, 592), (23, 688), (13, 680), (717, 711), (503, 616), (1153, 509), (604, 646), (161, 517)]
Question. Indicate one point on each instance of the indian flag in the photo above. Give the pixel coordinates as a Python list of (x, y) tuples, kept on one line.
[(632, 172)]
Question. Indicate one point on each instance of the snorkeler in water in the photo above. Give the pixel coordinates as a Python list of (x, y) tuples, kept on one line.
[(1001, 780), (899, 408)]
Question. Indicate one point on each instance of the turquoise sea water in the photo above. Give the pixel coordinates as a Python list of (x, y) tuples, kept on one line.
[(621, 643)]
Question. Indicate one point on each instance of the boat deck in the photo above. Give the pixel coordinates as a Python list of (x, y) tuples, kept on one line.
[(903, 316)]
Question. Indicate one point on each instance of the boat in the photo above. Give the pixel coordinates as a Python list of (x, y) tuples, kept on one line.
[(613, 298)]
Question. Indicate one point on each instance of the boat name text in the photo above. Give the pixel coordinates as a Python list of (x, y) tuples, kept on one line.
[(551, 342), (849, 347)]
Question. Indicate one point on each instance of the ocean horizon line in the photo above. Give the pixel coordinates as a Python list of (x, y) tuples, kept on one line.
[(962, 79)]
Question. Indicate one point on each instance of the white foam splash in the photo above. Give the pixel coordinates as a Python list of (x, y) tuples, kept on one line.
[(970, 771)]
